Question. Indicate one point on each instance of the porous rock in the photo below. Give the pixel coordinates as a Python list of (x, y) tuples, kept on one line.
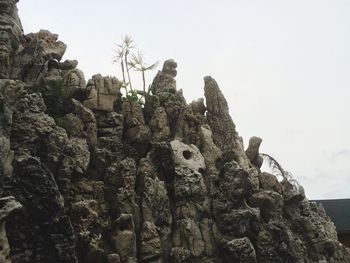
[(107, 180), (103, 91)]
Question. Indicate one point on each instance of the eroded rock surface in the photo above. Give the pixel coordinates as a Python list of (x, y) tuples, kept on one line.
[(98, 178)]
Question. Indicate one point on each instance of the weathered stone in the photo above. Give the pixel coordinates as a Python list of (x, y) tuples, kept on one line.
[(118, 182), (159, 125), (109, 124), (51, 48), (11, 37), (123, 238), (151, 250), (270, 204), (224, 130), (81, 154), (198, 106), (187, 234), (211, 153), (89, 121), (277, 243), (292, 192), (103, 92), (253, 151), (187, 156), (221, 124), (68, 64), (180, 254), (270, 182), (113, 258), (74, 84), (10, 92), (8, 205), (136, 130), (164, 81), (240, 250)]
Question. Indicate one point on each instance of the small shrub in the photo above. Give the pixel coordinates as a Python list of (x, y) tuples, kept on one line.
[(133, 96)]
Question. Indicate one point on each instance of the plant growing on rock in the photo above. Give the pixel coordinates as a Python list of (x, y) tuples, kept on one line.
[(277, 169), (122, 54), (133, 96), (137, 63), (128, 59)]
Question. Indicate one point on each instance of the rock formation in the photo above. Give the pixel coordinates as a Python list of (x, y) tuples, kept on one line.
[(88, 176)]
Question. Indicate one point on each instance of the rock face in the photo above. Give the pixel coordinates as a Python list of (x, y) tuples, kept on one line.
[(88, 176)]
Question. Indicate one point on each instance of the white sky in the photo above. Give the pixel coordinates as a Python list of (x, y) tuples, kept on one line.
[(283, 66)]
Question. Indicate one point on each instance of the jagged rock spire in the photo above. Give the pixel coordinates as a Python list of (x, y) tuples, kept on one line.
[(219, 119)]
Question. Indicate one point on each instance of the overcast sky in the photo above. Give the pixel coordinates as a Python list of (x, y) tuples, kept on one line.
[(284, 67)]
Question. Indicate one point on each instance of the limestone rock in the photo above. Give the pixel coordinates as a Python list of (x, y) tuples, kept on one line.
[(103, 91), (253, 151), (221, 124), (224, 131), (136, 130), (240, 250), (68, 64), (159, 125), (198, 106), (109, 124), (88, 120), (211, 153), (107, 180), (8, 205), (151, 249), (51, 48), (10, 92), (124, 238), (11, 37), (165, 79), (270, 204), (269, 182), (187, 156), (34, 62), (74, 83)]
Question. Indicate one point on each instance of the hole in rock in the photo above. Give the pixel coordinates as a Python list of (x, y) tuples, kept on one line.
[(187, 154)]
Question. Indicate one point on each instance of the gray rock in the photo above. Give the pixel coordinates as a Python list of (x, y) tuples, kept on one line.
[(118, 182), (8, 205), (269, 182), (224, 131), (198, 106), (164, 81), (11, 37), (135, 129), (159, 125), (88, 120), (123, 238), (103, 92), (51, 47), (74, 83), (187, 156), (253, 151), (68, 64), (240, 250)]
